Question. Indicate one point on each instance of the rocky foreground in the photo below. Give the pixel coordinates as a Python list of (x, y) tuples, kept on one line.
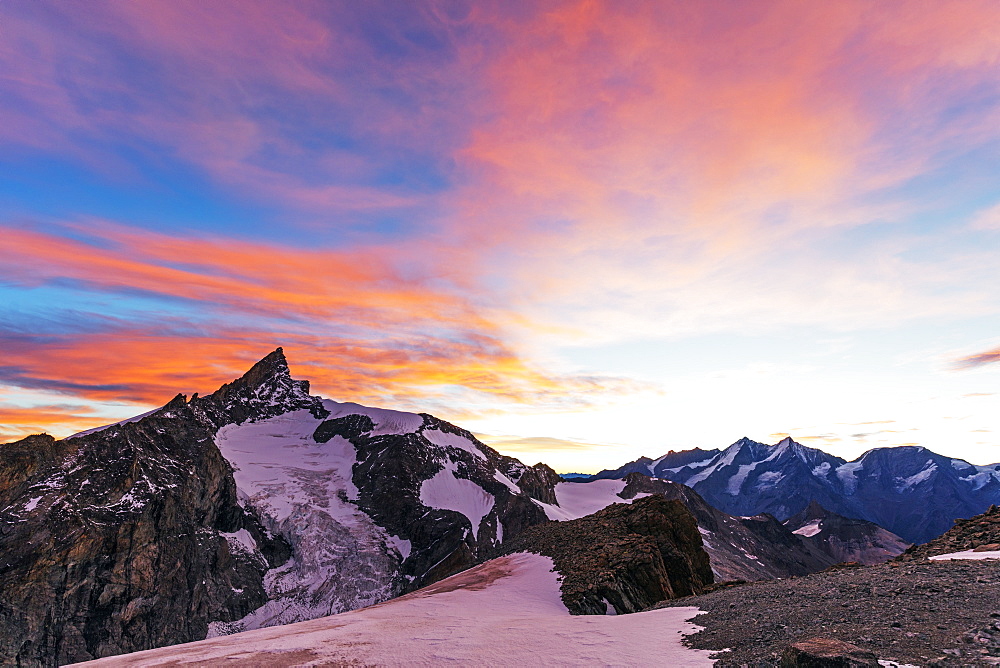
[(940, 613)]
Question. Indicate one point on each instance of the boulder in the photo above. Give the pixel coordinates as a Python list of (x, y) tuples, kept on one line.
[(827, 653)]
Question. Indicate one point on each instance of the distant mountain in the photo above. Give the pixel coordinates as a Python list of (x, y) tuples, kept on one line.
[(739, 548), (911, 491), (659, 468), (846, 539), (256, 505)]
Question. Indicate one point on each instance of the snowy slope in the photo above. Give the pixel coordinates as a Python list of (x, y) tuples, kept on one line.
[(506, 612), (966, 554), (303, 491), (299, 472), (577, 499)]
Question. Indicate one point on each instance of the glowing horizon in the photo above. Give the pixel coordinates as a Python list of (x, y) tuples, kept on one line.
[(591, 230)]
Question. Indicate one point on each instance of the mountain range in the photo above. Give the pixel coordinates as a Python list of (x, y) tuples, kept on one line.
[(261, 504), (909, 490)]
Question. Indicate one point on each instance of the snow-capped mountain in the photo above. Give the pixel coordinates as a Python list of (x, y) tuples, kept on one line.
[(257, 505), (911, 491)]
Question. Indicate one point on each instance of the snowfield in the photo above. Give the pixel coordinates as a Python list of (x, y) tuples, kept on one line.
[(966, 554), (506, 612), (577, 499), (303, 490)]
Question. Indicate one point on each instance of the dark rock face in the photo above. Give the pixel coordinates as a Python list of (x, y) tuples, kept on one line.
[(625, 557), (740, 548), (539, 482), (827, 653), (115, 541), (137, 536), (981, 531), (846, 539), (910, 491), (389, 475)]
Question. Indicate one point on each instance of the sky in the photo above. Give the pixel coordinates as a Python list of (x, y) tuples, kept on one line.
[(586, 231)]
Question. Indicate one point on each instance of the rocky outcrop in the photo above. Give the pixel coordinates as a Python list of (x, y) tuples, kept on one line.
[(539, 482), (740, 548), (981, 531), (624, 558), (846, 539)]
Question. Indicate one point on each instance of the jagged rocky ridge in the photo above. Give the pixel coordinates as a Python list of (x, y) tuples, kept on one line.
[(910, 491), (623, 558), (256, 505)]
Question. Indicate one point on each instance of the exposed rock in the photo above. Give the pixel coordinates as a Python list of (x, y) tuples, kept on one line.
[(827, 653), (117, 540), (539, 482), (623, 558)]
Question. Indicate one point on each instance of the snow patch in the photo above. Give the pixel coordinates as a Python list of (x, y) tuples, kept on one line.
[(917, 478), (32, 504), (386, 421), (448, 492), (810, 529), (769, 479), (577, 499), (966, 554), (447, 439), (241, 541), (737, 480), (822, 470), (501, 478), (401, 546), (848, 474)]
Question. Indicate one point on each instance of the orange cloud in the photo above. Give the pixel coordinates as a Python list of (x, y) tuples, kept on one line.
[(17, 422), (348, 320)]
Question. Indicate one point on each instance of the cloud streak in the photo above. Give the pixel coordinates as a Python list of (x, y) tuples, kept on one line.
[(978, 360)]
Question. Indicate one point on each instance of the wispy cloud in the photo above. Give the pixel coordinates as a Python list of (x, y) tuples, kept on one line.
[(978, 360)]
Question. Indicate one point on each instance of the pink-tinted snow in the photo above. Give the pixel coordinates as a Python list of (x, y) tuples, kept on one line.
[(967, 554), (506, 612)]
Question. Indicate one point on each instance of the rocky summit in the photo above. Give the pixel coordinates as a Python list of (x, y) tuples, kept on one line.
[(624, 558), (256, 505)]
